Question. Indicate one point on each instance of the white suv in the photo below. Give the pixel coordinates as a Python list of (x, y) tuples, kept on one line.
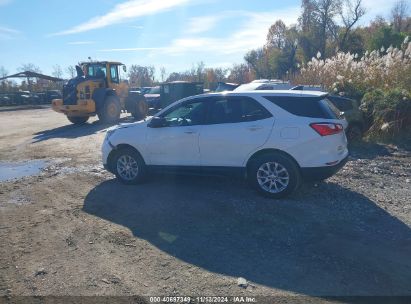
[(274, 138)]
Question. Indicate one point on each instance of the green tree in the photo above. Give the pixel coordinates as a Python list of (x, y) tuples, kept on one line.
[(386, 37)]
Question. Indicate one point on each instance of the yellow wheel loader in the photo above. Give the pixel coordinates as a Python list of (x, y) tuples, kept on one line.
[(97, 90)]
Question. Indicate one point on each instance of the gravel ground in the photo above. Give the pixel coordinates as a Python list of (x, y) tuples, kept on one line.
[(74, 230)]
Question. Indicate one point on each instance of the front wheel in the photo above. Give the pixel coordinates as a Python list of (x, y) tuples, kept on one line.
[(110, 113), (128, 166), (78, 120), (274, 175)]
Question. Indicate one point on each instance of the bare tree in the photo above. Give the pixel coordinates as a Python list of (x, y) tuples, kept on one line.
[(163, 74), (399, 14), (240, 73), (57, 71), (29, 67), (3, 71), (141, 76), (32, 68), (71, 71), (351, 12)]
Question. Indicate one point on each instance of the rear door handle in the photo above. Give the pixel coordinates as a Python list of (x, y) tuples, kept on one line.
[(254, 128), (190, 132)]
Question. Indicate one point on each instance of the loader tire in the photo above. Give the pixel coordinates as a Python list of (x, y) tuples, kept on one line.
[(78, 120), (139, 108), (110, 113)]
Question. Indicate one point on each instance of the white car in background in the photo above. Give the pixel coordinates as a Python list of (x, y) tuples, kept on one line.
[(264, 84), (274, 138)]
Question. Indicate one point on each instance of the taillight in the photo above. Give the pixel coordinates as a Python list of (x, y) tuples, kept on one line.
[(325, 129)]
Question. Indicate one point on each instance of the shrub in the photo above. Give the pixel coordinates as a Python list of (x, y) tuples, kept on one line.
[(388, 113), (347, 74), (381, 79)]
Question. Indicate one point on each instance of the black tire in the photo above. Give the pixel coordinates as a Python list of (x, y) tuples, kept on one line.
[(110, 113), (354, 133), (135, 159), (139, 107), (284, 162), (78, 120)]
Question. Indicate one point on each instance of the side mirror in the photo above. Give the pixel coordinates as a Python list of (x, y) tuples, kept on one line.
[(157, 122), (124, 69)]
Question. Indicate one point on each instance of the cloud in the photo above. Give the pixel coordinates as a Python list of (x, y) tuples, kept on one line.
[(123, 12), (137, 27), (250, 35), (137, 49), (8, 33), (202, 24), (81, 42), (4, 2)]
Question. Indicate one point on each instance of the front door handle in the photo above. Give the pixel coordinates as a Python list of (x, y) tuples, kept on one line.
[(190, 132)]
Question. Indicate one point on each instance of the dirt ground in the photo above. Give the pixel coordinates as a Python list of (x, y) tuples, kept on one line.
[(74, 230)]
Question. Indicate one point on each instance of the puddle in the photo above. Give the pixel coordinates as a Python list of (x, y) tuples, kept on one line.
[(9, 171)]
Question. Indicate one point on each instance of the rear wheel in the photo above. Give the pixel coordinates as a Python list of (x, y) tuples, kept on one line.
[(110, 113), (128, 166), (78, 120), (274, 175), (139, 107)]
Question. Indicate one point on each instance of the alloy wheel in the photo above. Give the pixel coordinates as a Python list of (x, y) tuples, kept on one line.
[(273, 177), (127, 167)]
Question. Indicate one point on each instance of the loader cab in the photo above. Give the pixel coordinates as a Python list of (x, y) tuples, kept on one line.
[(109, 71)]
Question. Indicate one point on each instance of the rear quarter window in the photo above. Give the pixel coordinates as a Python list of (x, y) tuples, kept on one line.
[(313, 107)]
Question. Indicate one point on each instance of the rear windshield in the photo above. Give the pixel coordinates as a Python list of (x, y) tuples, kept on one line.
[(314, 107)]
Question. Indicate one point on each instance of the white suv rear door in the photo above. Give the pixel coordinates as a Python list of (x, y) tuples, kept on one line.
[(236, 126)]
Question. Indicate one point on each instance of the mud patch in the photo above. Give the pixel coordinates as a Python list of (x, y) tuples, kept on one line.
[(11, 171)]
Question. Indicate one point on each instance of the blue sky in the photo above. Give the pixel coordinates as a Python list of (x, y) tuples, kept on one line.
[(173, 34)]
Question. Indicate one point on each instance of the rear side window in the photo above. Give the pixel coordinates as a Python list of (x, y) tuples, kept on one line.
[(236, 109), (306, 106)]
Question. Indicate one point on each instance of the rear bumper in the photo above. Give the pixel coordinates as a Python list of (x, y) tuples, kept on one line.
[(321, 173), (84, 108)]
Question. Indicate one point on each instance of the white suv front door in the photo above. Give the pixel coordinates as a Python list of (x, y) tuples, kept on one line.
[(236, 126), (177, 144)]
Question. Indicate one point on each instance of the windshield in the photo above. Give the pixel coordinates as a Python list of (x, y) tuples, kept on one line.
[(154, 90), (96, 70)]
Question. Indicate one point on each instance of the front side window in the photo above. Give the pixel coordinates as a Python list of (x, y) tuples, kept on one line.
[(114, 73), (187, 114), (97, 70)]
